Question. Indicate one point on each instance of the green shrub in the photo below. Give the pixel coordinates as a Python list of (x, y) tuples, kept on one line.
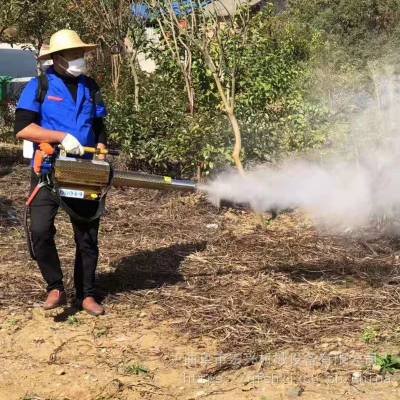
[(161, 136), (272, 105)]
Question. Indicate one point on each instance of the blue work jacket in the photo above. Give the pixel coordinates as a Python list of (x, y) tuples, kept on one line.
[(60, 112)]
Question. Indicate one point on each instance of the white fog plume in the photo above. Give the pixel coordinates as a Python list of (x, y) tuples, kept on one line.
[(335, 192)]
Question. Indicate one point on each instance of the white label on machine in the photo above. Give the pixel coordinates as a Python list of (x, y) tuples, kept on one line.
[(75, 194)]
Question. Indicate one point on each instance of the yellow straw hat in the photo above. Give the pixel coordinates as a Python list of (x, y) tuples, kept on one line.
[(64, 40)]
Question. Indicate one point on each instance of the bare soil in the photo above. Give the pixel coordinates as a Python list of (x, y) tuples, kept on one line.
[(201, 303)]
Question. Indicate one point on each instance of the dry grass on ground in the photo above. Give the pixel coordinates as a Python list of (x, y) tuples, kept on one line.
[(250, 285)]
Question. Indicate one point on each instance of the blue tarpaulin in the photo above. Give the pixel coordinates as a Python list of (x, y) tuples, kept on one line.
[(181, 8), (141, 10)]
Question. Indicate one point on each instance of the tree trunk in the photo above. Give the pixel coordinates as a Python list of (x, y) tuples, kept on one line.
[(229, 110), (135, 76), (187, 73), (238, 140), (115, 72), (190, 94)]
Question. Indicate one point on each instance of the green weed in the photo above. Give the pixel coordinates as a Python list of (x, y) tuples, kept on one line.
[(387, 363), (12, 322), (136, 370), (72, 320), (370, 334), (100, 332)]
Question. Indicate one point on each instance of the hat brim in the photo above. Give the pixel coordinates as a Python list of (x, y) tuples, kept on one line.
[(85, 47)]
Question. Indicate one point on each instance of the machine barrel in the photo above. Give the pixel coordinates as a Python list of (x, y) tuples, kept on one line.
[(148, 181)]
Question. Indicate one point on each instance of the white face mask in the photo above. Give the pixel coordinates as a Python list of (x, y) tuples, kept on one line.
[(76, 67)]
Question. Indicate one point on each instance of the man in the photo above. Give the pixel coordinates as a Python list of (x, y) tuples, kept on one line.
[(71, 114)]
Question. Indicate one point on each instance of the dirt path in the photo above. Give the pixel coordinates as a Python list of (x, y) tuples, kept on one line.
[(200, 303), (124, 355)]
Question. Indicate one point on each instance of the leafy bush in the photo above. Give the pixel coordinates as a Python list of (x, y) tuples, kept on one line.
[(362, 28), (277, 113), (161, 136), (272, 106), (7, 112)]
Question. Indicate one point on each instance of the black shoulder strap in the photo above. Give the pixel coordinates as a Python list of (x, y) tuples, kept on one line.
[(43, 86), (93, 93), (94, 90)]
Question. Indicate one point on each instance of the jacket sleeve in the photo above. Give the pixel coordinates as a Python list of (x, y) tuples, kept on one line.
[(100, 131), (28, 100), (23, 118)]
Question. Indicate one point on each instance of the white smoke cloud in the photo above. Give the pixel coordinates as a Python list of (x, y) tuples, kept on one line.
[(344, 191)]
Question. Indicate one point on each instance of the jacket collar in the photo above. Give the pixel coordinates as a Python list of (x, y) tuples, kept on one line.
[(80, 81)]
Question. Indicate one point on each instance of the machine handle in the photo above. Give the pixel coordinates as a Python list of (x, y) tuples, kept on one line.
[(94, 150), (45, 150)]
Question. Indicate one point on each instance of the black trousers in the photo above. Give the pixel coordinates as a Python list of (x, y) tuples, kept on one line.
[(43, 211)]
